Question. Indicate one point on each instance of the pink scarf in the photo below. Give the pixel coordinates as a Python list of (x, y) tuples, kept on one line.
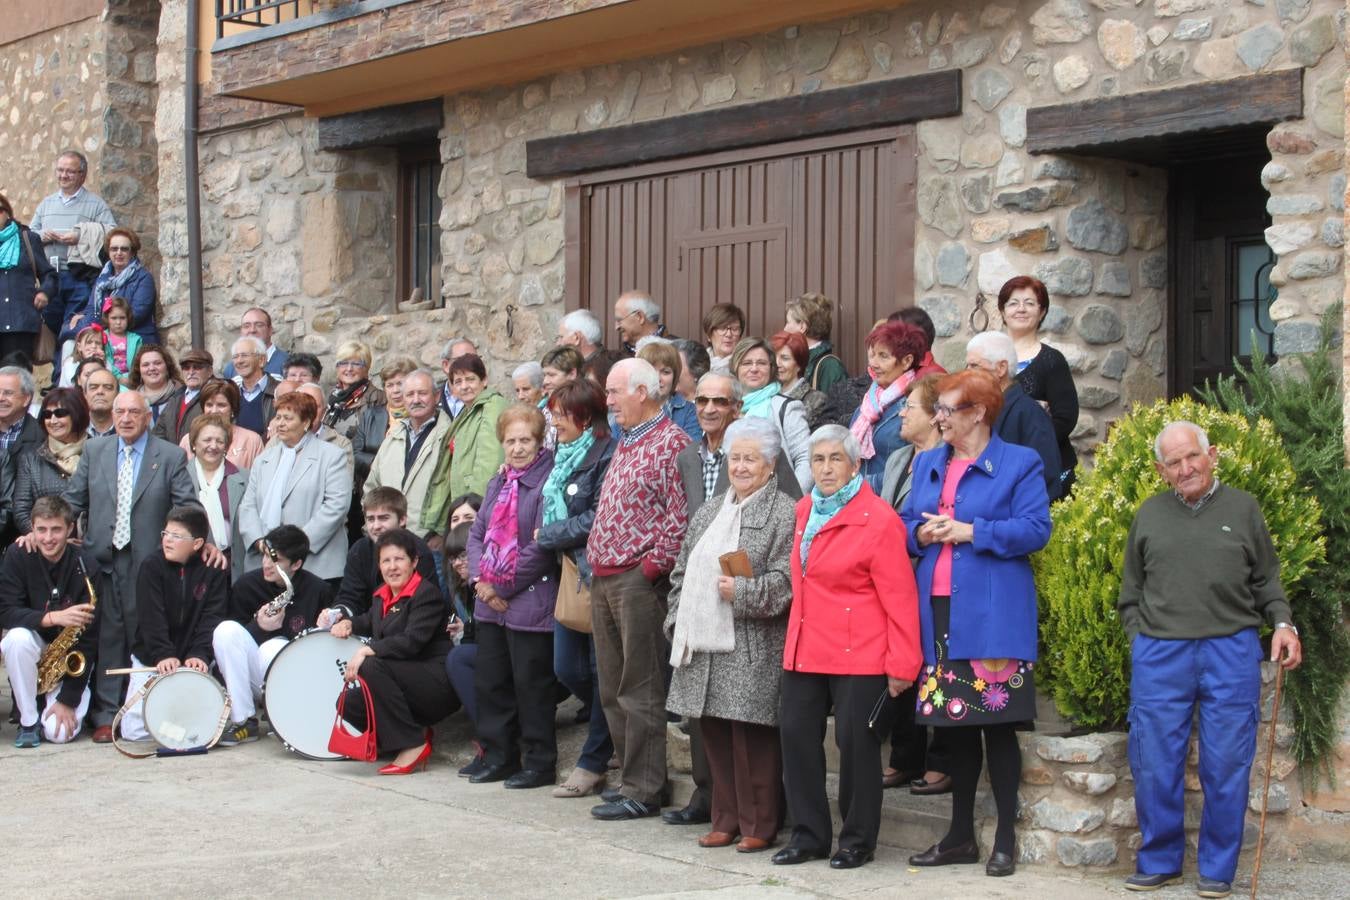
[(874, 404), (501, 544)]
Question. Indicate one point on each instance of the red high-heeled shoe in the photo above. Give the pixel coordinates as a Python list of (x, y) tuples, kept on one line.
[(420, 763)]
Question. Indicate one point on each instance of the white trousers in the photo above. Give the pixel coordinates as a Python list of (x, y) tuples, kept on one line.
[(243, 663), (133, 721), (21, 648)]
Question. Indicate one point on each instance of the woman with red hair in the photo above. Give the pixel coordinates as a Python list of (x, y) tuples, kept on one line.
[(976, 510), (792, 355), (894, 351)]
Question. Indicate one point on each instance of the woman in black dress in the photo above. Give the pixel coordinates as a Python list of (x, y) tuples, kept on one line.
[(404, 662)]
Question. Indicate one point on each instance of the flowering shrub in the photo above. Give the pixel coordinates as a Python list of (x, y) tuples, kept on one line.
[(1085, 659)]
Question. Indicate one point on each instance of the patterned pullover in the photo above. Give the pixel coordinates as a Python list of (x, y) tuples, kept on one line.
[(642, 513)]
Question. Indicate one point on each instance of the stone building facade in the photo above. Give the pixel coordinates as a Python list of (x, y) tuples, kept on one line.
[(304, 229), (86, 81)]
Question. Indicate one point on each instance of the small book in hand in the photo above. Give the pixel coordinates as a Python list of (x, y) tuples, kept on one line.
[(736, 563)]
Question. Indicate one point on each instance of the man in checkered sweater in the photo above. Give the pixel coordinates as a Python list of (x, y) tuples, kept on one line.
[(640, 520)]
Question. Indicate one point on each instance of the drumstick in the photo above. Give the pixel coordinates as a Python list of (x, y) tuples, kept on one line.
[(133, 670)]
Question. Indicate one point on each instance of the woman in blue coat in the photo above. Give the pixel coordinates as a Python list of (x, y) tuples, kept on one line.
[(123, 276), (976, 510), (27, 281), (894, 351)]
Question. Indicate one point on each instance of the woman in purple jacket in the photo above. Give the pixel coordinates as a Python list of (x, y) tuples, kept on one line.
[(516, 587)]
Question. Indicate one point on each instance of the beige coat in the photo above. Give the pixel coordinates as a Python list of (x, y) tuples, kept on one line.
[(386, 469), (741, 685)]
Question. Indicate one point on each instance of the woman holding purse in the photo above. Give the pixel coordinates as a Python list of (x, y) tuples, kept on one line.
[(585, 448), (27, 279)]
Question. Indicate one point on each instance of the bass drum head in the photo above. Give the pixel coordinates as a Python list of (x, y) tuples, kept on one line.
[(301, 688), (182, 709)]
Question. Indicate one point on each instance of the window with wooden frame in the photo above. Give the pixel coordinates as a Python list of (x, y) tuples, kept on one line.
[(419, 230)]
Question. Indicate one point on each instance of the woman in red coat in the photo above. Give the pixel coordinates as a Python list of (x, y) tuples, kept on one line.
[(853, 640)]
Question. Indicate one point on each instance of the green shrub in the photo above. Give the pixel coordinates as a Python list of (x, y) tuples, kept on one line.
[(1085, 659), (1304, 402)]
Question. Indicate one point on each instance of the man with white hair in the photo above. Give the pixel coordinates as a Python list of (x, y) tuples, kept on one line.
[(20, 433), (640, 520), (409, 456), (257, 388), (1200, 578), (636, 315), (453, 350), (581, 329), (1022, 420)]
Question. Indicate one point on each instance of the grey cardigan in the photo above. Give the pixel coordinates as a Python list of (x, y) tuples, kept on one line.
[(742, 684)]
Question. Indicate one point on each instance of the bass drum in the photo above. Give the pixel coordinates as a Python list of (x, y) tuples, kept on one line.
[(185, 709), (301, 688)]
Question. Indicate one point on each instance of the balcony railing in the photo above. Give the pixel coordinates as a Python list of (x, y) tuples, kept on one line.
[(257, 13)]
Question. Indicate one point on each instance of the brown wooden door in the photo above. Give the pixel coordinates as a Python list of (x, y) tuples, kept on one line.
[(1220, 278), (754, 228)]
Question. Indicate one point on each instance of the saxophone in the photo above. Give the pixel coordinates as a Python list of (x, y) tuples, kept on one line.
[(282, 600), (61, 659)]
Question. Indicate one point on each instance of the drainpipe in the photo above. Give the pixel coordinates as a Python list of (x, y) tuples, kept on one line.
[(196, 309)]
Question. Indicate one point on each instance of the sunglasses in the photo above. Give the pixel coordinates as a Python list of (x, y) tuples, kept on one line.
[(55, 412), (719, 402)]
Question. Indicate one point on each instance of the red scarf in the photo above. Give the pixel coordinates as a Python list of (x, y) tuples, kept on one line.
[(386, 594)]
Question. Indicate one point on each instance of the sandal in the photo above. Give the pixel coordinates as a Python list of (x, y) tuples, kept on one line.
[(580, 784)]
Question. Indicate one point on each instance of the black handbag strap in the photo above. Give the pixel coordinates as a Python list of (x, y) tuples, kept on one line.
[(32, 261)]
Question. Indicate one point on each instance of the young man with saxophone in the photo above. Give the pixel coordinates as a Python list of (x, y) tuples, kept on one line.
[(48, 606), (269, 607)]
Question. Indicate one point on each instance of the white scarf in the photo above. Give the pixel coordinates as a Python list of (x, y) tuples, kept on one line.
[(704, 621), (209, 494)]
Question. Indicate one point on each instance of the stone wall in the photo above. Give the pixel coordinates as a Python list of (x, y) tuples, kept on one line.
[(127, 174)]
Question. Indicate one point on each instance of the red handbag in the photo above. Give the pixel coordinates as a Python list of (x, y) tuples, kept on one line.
[(360, 746)]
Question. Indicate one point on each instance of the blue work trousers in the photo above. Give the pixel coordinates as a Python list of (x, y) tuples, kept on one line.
[(1170, 678)]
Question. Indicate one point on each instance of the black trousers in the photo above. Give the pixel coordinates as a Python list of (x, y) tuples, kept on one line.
[(910, 747), (804, 705), (516, 692), (409, 696)]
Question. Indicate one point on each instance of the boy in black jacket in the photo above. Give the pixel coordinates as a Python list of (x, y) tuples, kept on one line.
[(181, 600), (42, 592), (385, 508), (247, 642)]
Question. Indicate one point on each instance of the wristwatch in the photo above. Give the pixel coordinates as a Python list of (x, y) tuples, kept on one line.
[(1288, 625)]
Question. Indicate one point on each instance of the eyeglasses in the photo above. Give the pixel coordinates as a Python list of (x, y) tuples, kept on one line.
[(942, 410), (174, 536), (733, 328), (1022, 302), (631, 312), (351, 364), (119, 249), (56, 412), (719, 402)]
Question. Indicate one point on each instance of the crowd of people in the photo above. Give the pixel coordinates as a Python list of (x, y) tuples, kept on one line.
[(729, 532)]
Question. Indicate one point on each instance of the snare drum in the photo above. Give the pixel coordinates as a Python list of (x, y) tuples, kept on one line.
[(184, 709), (301, 688)]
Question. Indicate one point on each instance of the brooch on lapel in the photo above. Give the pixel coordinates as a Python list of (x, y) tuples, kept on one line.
[(571, 490), (989, 467)]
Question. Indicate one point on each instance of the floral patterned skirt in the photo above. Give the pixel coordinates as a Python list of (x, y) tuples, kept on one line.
[(972, 691)]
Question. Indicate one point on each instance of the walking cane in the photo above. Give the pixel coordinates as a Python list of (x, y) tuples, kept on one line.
[(1265, 790)]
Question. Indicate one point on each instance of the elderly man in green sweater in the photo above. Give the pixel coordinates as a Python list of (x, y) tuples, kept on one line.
[(1201, 575)]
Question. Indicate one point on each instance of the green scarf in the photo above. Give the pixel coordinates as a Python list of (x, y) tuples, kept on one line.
[(566, 458), (9, 245), (823, 509), (759, 402)]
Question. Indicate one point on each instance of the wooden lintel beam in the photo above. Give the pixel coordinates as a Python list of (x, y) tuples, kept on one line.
[(383, 127), (896, 101), (1208, 106)]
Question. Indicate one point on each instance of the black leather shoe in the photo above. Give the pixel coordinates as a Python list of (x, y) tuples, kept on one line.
[(999, 865), (1140, 881), (1210, 887), (624, 809), (611, 795), (532, 778), (922, 788), (791, 856), (499, 772), (690, 815), (475, 766), (934, 856), (850, 859)]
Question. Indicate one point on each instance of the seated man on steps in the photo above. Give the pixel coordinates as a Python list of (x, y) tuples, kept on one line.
[(246, 643)]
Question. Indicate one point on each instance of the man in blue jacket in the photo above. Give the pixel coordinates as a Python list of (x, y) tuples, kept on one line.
[(1022, 420)]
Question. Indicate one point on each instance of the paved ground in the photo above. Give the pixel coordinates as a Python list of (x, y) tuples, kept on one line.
[(255, 818)]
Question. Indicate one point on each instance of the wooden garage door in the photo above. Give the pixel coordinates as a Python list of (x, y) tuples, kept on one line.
[(755, 228)]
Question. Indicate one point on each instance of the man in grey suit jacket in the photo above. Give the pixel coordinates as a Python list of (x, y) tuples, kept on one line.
[(718, 403), (159, 483), (303, 481)]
